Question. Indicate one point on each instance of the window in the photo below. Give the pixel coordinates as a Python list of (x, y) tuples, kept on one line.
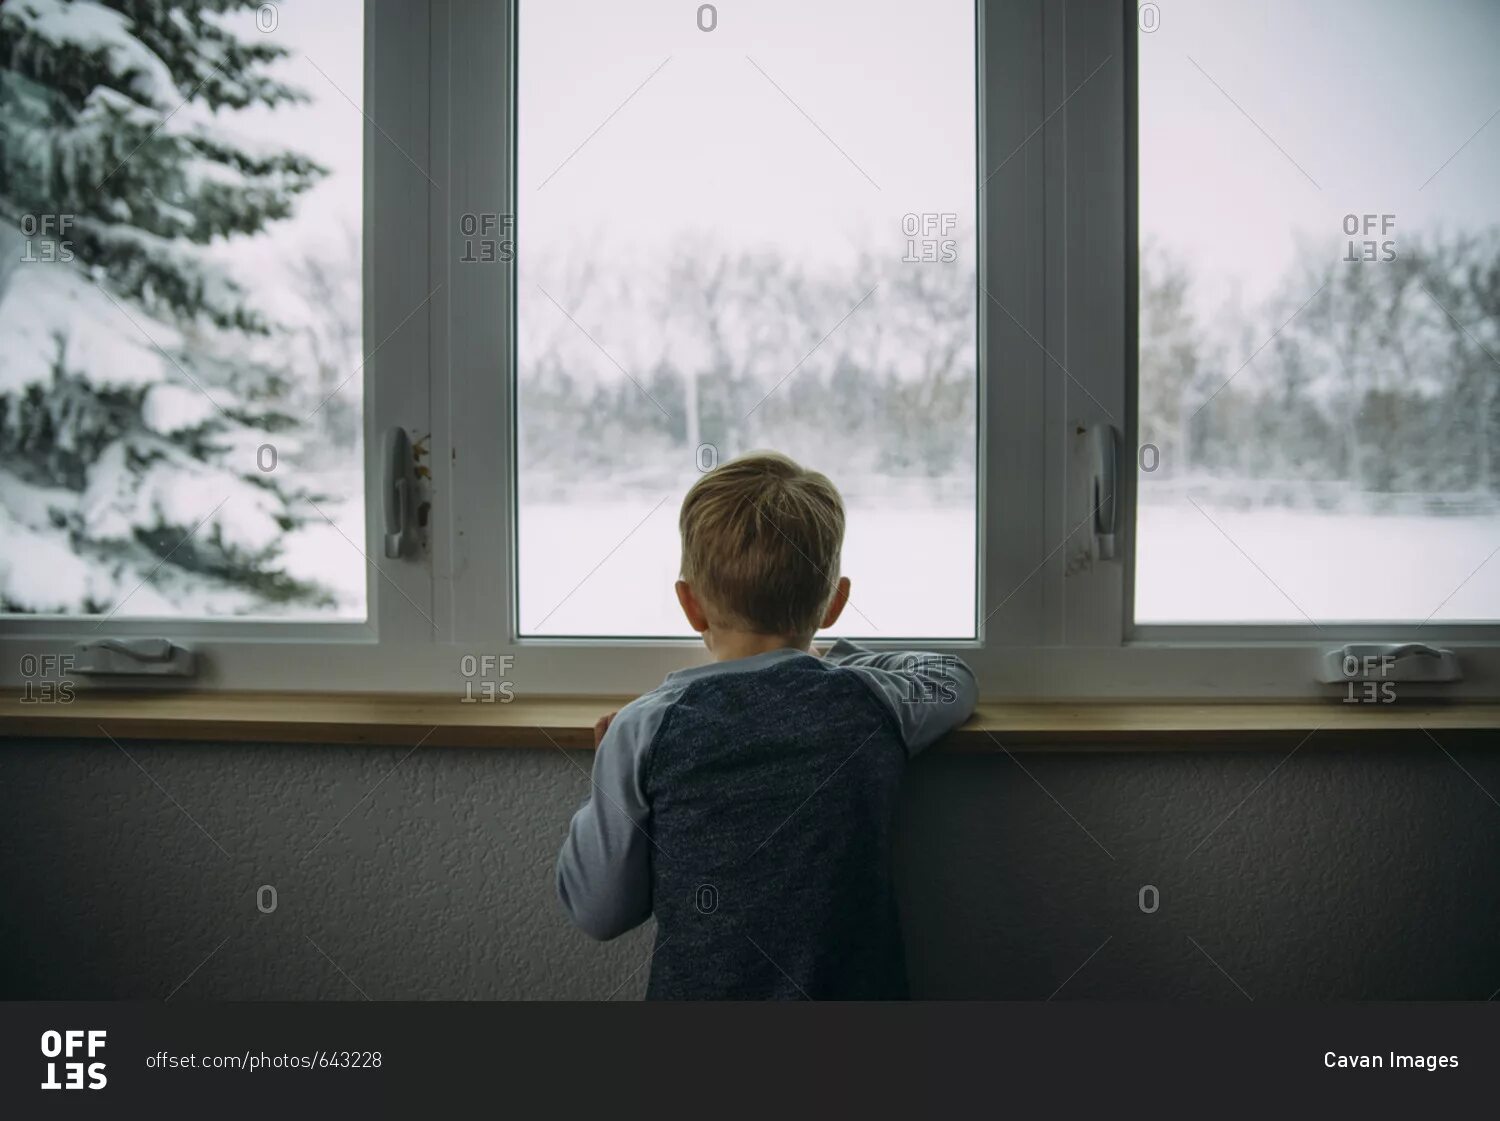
[(1319, 322), (1056, 293), (181, 303), (734, 239), (214, 275)]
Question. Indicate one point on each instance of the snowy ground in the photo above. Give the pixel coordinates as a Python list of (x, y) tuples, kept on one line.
[(913, 569), (1274, 565)]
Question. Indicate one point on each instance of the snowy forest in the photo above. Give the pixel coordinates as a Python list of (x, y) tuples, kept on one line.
[(1359, 383), (869, 372), (1374, 385)]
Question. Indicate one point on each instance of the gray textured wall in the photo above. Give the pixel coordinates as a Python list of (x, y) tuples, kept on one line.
[(1370, 873)]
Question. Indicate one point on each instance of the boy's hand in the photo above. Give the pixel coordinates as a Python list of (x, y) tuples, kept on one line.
[(601, 726)]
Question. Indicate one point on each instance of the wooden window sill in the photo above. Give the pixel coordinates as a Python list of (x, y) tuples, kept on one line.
[(568, 721)]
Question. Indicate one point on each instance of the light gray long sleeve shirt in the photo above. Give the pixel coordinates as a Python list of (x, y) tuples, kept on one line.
[(783, 765)]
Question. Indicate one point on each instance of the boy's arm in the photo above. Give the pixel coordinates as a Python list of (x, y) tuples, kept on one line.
[(929, 694), (604, 868)]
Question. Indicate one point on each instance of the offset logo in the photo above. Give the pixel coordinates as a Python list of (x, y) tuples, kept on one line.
[(75, 1047), (488, 238), (938, 686)]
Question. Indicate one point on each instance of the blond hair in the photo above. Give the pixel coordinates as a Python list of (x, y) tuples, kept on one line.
[(761, 538)]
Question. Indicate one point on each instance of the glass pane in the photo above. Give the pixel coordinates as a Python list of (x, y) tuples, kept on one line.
[(738, 232), (1319, 312), (180, 304)]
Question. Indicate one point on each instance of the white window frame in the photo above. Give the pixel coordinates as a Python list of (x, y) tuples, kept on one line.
[(1056, 344)]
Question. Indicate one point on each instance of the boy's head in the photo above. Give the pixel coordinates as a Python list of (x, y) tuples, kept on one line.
[(761, 539)]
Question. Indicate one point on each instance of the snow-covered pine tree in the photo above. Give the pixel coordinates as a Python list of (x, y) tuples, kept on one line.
[(130, 412)]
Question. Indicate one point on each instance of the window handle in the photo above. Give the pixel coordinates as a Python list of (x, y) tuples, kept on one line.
[(1104, 453), (397, 487)]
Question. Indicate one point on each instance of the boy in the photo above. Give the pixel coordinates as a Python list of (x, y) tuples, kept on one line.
[(749, 803)]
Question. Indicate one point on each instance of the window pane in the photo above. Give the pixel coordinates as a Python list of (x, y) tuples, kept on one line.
[(180, 303), (735, 236), (1319, 313)]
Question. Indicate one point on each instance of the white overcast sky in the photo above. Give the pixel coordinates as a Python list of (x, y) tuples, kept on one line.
[(1368, 97), (803, 126)]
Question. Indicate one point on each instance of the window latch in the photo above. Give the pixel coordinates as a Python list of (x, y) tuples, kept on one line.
[(1104, 454), (156, 657), (1391, 661), (397, 486)]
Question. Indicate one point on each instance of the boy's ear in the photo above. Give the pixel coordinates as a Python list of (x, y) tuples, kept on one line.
[(691, 608), (836, 604)]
